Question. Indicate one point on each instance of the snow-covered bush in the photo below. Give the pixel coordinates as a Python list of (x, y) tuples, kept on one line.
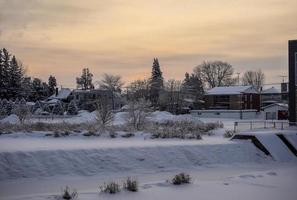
[(21, 110), (130, 184), (128, 135), (181, 178), (229, 133), (68, 195), (72, 108), (110, 188)]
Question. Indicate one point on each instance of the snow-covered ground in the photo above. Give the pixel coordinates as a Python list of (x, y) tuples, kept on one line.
[(33, 166)]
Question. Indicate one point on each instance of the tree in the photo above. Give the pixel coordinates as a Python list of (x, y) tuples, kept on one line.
[(254, 78), (138, 90), (193, 86), (111, 83), (52, 84), (156, 83), (216, 73), (85, 81), (21, 110), (16, 75), (58, 109), (138, 112), (172, 98), (104, 113), (72, 108), (4, 73)]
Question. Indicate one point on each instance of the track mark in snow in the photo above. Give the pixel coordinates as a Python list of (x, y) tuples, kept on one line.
[(272, 173)]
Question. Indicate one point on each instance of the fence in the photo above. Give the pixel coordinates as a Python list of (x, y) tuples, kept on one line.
[(260, 124)]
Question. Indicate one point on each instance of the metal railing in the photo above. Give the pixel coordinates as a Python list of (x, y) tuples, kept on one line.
[(261, 124)]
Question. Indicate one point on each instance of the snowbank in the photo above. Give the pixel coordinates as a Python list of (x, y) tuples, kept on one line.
[(140, 159), (11, 119)]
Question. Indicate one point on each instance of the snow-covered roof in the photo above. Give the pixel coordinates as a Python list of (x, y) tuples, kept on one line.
[(271, 90), (62, 94), (231, 90), (276, 104)]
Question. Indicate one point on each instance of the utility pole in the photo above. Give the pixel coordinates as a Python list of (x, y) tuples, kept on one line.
[(283, 77)]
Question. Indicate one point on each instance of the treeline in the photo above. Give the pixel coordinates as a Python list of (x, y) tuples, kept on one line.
[(15, 84), (169, 94)]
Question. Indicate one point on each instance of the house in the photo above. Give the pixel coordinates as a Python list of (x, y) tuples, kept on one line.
[(63, 95), (277, 111), (270, 96), (232, 98), (87, 99)]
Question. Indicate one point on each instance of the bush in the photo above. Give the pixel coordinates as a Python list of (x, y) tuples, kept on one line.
[(110, 188), (181, 178), (68, 195), (229, 133), (128, 135), (130, 185)]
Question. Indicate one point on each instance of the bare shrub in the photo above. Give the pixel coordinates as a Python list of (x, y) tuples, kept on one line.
[(110, 188), (138, 112), (130, 184), (104, 113), (181, 178), (68, 195)]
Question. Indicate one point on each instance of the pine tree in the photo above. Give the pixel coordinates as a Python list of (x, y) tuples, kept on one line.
[(52, 84), (85, 81), (72, 108), (156, 83), (4, 70), (15, 80)]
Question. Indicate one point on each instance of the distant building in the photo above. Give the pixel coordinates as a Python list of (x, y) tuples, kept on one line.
[(270, 96), (86, 99), (233, 98), (277, 111)]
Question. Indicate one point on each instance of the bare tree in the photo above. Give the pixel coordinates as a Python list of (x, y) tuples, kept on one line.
[(172, 97), (104, 114), (138, 112), (138, 89), (111, 82), (215, 73), (254, 78)]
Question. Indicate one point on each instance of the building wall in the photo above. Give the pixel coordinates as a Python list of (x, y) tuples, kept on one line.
[(235, 102)]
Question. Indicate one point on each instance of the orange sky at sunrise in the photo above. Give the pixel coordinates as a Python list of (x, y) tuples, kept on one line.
[(122, 37)]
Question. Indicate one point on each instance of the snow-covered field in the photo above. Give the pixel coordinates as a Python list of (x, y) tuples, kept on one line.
[(33, 166)]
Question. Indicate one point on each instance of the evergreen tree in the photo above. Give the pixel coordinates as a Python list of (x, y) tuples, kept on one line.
[(156, 83), (4, 108), (15, 78), (72, 108), (4, 73), (193, 86), (52, 84), (85, 81)]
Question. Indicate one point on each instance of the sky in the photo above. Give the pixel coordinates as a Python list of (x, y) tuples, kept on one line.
[(121, 37)]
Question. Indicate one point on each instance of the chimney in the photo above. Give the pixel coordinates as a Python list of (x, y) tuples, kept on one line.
[(57, 91)]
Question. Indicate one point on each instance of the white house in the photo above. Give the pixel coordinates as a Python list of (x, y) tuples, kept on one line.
[(278, 111)]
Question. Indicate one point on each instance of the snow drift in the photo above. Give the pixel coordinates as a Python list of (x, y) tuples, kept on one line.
[(104, 161)]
